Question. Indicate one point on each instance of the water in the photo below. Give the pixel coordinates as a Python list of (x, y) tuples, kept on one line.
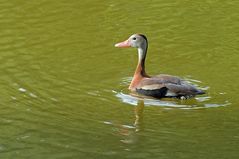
[(64, 86)]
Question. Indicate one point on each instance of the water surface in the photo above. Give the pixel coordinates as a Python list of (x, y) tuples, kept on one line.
[(64, 86)]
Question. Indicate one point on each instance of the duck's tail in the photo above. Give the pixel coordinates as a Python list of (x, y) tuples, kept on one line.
[(200, 92)]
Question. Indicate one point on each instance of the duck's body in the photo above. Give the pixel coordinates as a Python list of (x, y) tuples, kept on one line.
[(156, 86)]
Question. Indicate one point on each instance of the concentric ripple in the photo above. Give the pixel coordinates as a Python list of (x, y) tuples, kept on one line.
[(202, 101)]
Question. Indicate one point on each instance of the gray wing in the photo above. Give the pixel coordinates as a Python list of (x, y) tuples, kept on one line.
[(160, 79), (175, 86), (183, 89)]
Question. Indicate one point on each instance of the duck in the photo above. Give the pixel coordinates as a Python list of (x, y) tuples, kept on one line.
[(159, 86)]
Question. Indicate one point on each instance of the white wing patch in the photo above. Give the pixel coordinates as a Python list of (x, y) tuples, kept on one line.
[(170, 94), (151, 87)]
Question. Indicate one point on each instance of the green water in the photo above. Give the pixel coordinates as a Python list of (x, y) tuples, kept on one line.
[(64, 86)]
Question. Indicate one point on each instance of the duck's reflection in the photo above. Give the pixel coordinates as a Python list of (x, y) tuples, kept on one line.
[(131, 134), (139, 115)]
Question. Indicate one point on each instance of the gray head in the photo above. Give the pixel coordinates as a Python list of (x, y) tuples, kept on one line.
[(135, 40)]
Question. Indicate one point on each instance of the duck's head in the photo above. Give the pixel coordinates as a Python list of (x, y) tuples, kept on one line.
[(135, 40)]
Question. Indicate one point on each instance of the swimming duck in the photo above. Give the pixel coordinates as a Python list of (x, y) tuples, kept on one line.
[(159, 86)]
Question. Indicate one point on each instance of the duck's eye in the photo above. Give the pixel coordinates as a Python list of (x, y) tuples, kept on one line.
[(134, 38)]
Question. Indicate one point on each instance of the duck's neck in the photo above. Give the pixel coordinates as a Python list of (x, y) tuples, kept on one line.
[(140, 73), (140, 69)]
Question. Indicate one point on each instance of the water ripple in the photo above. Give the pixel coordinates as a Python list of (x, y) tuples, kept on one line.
[(197, 102)]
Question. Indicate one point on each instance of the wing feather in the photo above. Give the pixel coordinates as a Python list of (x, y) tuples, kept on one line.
[(174, 85)]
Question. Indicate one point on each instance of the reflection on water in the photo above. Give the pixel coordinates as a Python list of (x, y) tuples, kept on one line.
[(194, 103), (129, 133), (139, 114)]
